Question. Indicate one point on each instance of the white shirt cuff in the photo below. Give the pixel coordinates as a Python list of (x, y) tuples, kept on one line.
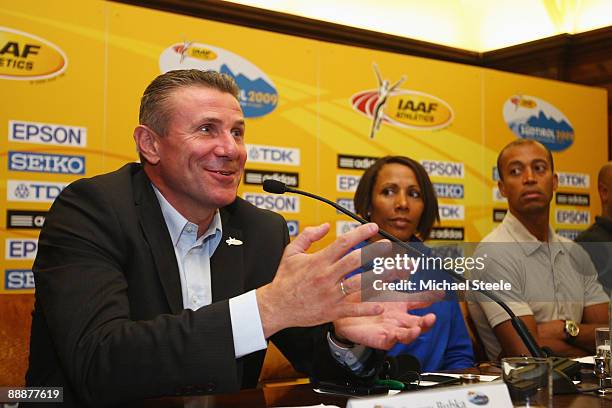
[(246, 324)]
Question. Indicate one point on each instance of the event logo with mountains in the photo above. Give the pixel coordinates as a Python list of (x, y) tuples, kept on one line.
[(532, 118), (258, 95)]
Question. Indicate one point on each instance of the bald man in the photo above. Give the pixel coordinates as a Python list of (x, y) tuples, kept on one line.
[(597, 239)]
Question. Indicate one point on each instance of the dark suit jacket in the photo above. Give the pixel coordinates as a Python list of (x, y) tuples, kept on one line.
[(109, 324)]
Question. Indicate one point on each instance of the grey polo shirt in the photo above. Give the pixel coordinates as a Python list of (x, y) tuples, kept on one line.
[(552, 280)]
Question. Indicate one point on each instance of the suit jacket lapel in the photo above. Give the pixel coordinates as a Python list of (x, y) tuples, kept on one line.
[(226, 264), (156, 234)]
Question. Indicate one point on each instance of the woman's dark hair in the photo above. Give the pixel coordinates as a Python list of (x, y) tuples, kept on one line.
[(363, 195)]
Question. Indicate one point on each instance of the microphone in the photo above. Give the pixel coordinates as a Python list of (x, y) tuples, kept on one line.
[(562, 385)]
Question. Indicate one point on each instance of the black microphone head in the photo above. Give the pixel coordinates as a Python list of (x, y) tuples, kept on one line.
[(274, 186)]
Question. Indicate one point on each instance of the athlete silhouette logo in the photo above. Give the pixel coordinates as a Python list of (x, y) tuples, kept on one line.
[(384, 90)]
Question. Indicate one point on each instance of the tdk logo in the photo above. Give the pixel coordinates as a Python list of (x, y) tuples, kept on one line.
[(33, 191), (46, 163), (570, 234), (15, 279), (24, 248), (259, 176), (451, 212), (498, 197), (347, 203), (444, 168), (273, 154), (447, 233), (342, 227), (28, 219), (579, 180), (273, 202), (47, 134), (294, 227), (574, 217), (355, 162), (348, 183), (448, 190)]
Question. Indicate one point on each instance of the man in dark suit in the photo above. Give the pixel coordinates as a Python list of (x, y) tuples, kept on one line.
[(156, 279)]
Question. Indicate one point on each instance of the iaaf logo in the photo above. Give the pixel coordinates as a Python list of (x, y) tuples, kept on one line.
[(33, 191), (258, 95), (273, 202), (451, 212), (21, 248), (47, 134), (257, 177), (574, 217), (26, 57), (273, 154), (532, 118), (46, 163)]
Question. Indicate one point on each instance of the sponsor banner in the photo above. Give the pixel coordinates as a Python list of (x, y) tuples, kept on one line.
[(574, 180), (258, 95), (257, 177), (294, 227), (533, 118), (449, 190), (437, 168), (347, 183), (498, 197), (342, 227), (21, 248), (46, 163), (583, 200), (18, 279), (499, 214), (33, 191), (447, 234), (273, 154), (27, 219), (27, 57), (347, 203), (574, 217), (495, 173), (451, 212), (46, 134), (355, 162), (274, 202), (570, 234)]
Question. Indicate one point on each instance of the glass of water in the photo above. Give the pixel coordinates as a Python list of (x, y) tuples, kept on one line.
[(602, 357)]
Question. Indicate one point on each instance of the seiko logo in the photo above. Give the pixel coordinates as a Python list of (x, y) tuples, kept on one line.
[(21, 248), (444, 168), (346, 182), (451, 212), (347, 203), (574, 217), (342, 227), (259, 176), (448, 190), (15, 279), (46, 163), (25, 219), (578, 180), (273, 202), (294, 227), (33, 191), (273, 154), (447, 234), (355, 162), (47, 134), (570, 234), (583, 200)]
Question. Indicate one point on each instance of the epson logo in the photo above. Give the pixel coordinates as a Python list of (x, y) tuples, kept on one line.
[(273, 154), (25, 219), (16, 279), (499, 214), (355, 162), (574, 217), (570, 234), (451, 212), (448, 190), (46, 163), (259, 176), (583, 200), (294, 227), (21, 248), (444, 168), (347, 182), (495, 175), (498, 197), (447, 234), (576, 180), (347, 203), (342, 227), (47, 134), (33, 191), (274, 202)]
